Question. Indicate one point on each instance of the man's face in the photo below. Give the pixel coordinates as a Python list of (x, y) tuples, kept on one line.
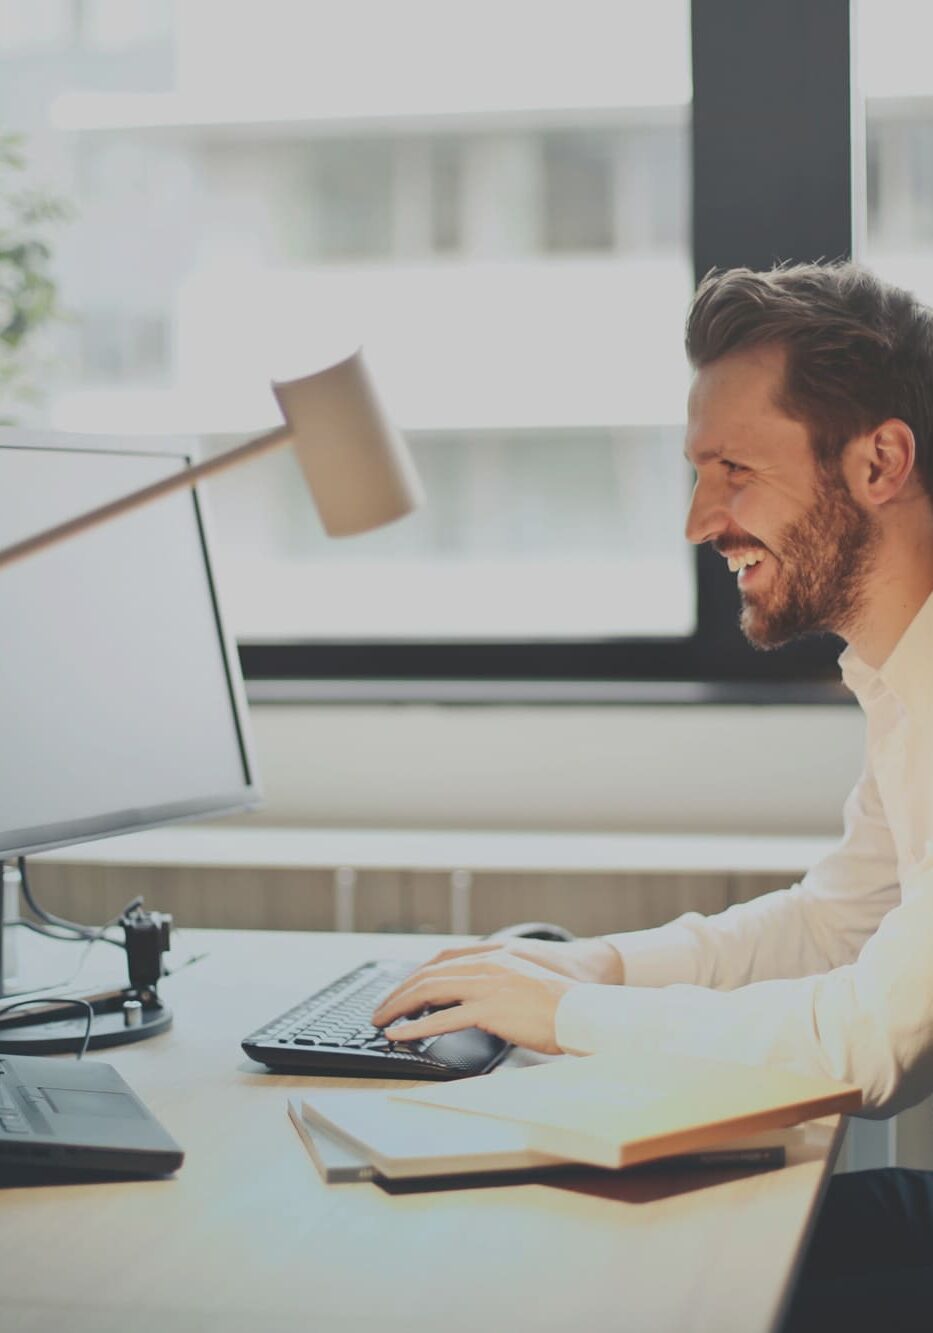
[(761, 495)]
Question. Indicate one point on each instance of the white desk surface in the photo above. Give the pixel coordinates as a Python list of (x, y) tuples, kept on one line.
[(247, 1238), (430, 849)]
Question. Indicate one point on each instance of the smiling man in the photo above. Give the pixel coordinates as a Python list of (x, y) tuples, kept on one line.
[(810, 428)]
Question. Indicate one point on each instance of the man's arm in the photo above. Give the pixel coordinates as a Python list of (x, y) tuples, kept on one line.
[(858, 1022), (817, 925), (869, 1023)]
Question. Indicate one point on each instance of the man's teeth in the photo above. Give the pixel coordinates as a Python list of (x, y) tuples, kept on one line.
[(737, 562)]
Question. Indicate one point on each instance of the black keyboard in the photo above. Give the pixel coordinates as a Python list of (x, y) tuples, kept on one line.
[(331, 1033)]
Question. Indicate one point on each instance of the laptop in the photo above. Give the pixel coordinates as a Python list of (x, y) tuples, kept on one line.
[(77, 1115)]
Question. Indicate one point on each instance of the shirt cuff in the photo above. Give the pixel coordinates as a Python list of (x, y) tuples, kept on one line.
[(662, 956), (593, 1017), (919, 877)]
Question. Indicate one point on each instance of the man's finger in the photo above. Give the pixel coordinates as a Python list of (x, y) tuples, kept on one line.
[(434, 1025), (425, 994), (429, 972)]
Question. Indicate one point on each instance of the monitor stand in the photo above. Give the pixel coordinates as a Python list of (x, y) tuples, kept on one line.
[(120, 1017), (52, 1026)]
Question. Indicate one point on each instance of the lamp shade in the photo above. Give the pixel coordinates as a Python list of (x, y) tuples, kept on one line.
[(356, 464)]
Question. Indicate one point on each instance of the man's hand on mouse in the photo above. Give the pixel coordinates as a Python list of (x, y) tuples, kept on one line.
[(509, 987), (498, 991)]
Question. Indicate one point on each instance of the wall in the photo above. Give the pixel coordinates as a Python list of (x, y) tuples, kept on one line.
[(691, 769)]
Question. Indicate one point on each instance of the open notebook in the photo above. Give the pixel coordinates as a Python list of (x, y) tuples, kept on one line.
[(364, 1135), (615, 1111)]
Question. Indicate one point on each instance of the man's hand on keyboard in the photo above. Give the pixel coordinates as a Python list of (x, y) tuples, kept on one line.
[(509, 996), (580, 960)]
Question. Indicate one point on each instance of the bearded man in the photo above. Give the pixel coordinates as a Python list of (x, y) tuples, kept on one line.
[(810, 428)]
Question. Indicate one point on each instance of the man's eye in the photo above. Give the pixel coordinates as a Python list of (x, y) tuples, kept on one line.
[(733, 468)]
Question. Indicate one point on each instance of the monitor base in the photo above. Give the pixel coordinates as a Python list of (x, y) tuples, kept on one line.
[(60, 1029)]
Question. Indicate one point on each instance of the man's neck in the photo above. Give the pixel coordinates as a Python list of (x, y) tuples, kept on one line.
[(901, 584)]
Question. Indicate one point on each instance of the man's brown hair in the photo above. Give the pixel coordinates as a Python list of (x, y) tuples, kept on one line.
[(858, 350)]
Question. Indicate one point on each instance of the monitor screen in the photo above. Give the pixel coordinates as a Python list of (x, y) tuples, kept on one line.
[(121, 703)]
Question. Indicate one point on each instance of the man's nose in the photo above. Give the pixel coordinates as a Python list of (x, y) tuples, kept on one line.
[(708, 514)]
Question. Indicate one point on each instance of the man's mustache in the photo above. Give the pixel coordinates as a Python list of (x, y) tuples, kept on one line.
[(726, 545)]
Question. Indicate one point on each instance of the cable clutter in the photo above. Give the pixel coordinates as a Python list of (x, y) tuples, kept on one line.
[(115, 1017)]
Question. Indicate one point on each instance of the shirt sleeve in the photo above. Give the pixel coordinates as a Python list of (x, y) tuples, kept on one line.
[(815, 926), (869, 1022)]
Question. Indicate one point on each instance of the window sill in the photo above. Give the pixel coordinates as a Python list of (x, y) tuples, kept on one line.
[(535, 693)]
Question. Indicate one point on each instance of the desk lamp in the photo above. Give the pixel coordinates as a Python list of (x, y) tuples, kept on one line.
[(356, 464), (360, 475)]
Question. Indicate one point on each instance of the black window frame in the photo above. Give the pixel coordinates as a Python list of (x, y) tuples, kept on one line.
[(772, 181)]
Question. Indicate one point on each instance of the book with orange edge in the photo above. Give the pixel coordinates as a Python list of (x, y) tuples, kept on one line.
[(364, 1134), (617, 1110)]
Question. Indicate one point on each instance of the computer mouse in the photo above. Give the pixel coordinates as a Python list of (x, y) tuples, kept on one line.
[(533, 930)]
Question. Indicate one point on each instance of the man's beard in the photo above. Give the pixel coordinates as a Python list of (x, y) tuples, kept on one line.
[(823, 564)]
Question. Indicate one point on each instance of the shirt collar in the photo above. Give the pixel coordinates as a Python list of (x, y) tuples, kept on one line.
[(857, 675), (906, 670)]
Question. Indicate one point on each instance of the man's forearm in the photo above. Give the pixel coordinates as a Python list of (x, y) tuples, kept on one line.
[(862, 1023)]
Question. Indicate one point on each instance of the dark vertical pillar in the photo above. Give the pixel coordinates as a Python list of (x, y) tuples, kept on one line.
[(772, 181)]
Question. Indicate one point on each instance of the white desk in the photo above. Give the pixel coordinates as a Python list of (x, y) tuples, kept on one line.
[(248, 1238), (231, 845)]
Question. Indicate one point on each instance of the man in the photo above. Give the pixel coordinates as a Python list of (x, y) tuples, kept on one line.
[(810, 428)]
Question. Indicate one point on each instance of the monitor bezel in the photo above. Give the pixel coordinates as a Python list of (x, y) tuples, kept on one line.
[(42, 838)]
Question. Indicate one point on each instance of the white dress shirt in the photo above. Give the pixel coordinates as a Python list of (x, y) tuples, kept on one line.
[(833, 975)]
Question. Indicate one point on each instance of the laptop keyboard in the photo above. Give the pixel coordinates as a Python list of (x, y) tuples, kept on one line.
[(331, 1031)]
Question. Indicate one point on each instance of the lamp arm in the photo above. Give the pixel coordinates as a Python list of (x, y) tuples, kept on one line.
[(176, 482)]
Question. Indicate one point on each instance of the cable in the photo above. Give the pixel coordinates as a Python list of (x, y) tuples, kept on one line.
[(79, 931), (66, 939), (194, 958), (57, 999), (40, 912), (73, 932), (88, 945)]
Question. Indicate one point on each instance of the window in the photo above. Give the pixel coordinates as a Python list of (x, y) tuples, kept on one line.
[(578, 192), (501, 212), (29, 28), (566, 525), (895, 88)]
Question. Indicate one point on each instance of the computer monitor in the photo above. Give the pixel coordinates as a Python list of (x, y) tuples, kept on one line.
[(121, 701)]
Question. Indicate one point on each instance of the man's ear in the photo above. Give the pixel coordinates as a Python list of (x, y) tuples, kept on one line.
[(882, 462)]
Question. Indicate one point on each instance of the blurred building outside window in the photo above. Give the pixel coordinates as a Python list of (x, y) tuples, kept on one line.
[(894, 85), (493, 198)]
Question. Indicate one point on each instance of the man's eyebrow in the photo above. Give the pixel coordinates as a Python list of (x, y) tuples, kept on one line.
[(704, 456)]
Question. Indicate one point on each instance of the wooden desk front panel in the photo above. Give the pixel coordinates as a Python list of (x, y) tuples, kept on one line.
[(389, 900)]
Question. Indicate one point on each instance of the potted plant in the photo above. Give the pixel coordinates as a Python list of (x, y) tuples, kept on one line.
[(28, 293)]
